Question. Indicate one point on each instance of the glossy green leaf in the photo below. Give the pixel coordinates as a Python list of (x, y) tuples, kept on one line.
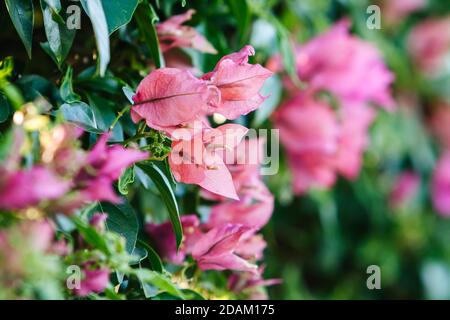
[(146, 19), (158, 280), (118, 12), (153, 257), (94, 10), (129, 93), (59, 37), (122, 219), (22, 16), (66, 89), (126, 179), (5, 108), (80, 114), (163, 185), (90, 235), (241, 11)]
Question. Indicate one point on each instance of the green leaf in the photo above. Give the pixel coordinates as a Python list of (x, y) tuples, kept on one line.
[(158, 280), (153, 257), (242, 13), (129, 93), (94, 10), (90, 235), (80, 114), (118, 12), (122, 219), (287, 54), (125, 179), (146, 19), (273, 89), (59, 37), (163, 185), (66, 89), (104, 115), (5, 108), (22, 16)]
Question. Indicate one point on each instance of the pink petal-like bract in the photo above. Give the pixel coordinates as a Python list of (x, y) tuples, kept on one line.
[(239, 83), (24, 188), (95, 281), (215, 250), (171, 97), (173, 34), (164, 238)]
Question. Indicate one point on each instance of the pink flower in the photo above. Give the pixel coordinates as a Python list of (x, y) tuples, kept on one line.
[(321, 143), (250, 282), (311, 170), (440, 124), (172, 34), (24, 188), (94, 281), (216, 250), (164, 238), (251, 247), (171, 97), (253, 212), (103, 166), (405, 188), (239, 83), (309, 131), (19, 241), (396, 10), (353, 62), (353, 138), (441, 186), (307, 125), (429, 43), (199, 160), (98, 221)]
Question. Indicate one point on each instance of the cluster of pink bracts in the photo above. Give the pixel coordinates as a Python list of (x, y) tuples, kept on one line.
[(69, 178), (176, 102), (320, 140)]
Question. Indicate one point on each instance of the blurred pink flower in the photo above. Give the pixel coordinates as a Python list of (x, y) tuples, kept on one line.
[(103, 166), (354, 72), (250, 282), (405, 188), (309, 132), (353, 138), (172, 34), (307, 125), (441, 186), (94, 281), (171, 97), (18, 242), (98, 221), (164, 238), (216, 250), (239, 83), (440, 124), (200, 160), (396, 10), (27, 187), (429, 44)]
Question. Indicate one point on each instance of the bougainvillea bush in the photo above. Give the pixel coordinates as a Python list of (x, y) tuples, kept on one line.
[(224, 149)]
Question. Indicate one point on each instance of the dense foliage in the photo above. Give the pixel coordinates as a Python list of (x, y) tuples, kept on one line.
[(128, 168)]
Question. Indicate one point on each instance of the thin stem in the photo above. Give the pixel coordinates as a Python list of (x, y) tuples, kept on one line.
[(119, 115)]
